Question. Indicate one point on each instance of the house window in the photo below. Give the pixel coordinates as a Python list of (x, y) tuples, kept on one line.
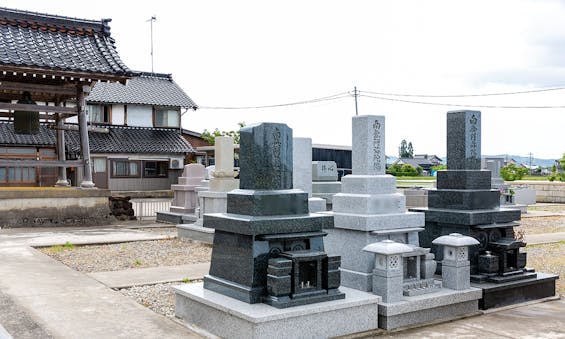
[(99, 113), (165, 117), (125, 169), (17, 175), (155, 169)]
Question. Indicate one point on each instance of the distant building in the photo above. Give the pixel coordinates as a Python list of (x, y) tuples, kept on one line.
[(434, 159), (425, 161)]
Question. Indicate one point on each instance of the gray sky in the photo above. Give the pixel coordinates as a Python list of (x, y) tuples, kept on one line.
[(254, 53)]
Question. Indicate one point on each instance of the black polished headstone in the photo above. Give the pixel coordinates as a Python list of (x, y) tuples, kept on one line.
[(265, 157), (464, 140), (268, 247), (465, 203)]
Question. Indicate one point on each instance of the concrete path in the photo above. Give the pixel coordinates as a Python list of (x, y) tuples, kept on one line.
[(538, 320), (42, 298), (67, 304), (150, 276), (75, 236)]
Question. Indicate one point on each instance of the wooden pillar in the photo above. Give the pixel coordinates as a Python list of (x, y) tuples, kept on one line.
[(83, 131), (60, 147)]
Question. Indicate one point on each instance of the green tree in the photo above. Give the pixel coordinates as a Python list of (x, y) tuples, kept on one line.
[(555, 175), (439, 167), (512, 172), (406, 150), (404, 170), (210, 137)]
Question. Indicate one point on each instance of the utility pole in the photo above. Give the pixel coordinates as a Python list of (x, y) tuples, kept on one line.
[(355, 93), (153, 18), (531, 163)]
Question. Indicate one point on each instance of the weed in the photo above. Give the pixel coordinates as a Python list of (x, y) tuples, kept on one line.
[(185, 280), (137, 262), (69, 245), (56, 249)]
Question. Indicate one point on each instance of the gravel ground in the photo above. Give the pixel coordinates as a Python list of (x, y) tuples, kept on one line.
[(538, 225), (548, 258), (122, 256), (159, 298)]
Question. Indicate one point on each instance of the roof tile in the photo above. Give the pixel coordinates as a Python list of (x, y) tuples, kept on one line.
[(146, 89), (120, 139), (49, 41)]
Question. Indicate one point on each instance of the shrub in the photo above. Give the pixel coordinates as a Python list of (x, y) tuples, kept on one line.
[(512, 172)]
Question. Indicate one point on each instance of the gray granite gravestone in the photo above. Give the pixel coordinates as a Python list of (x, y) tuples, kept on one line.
[(378, 240), (213, 199), (465, 203), (325, 182), (302, 172)]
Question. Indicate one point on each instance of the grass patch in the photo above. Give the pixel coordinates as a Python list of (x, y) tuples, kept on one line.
[(531, 178), (137, 262), (61, 248), (426, 178), (185, 280)]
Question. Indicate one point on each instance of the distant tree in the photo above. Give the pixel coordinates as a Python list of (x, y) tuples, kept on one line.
[(410, 150), (404, 170), (555, 175), (512, 172), (406, 150), (210, 137)]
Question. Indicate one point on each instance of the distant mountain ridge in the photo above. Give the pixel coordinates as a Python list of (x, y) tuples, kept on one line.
[(519, 159), (526, 160)]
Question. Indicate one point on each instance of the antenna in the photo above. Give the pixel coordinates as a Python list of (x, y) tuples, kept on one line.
[(153, 18)]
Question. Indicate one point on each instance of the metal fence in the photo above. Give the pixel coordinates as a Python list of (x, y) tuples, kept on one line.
[(146, 209)]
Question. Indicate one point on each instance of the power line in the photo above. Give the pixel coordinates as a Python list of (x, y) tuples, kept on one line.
[(379, 96), (466, 95), (456, 105), (328, 98)]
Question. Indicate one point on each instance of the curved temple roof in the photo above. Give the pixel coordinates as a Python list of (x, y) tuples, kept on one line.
[(43, 41)]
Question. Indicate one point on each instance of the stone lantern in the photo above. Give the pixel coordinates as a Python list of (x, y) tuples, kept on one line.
[(388, 271), (455, 272)]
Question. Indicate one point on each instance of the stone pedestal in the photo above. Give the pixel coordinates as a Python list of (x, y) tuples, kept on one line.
[(185, 200), (465, 203), (230, 318), (213, 198), (324, 181)]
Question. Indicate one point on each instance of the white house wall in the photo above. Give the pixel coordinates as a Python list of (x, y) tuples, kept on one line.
[(140, 116), (118, 115)]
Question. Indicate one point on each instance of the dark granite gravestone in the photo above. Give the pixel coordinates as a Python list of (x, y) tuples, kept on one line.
[(267, 247), (465, 203)]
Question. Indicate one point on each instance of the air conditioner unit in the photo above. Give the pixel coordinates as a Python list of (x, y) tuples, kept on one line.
[(176, 163)]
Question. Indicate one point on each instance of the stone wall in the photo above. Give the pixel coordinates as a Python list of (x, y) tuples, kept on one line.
[(54, 207), (546, 191)]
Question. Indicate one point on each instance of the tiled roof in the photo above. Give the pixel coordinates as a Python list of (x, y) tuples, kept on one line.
[(59, 43), (120, 139), (123, 139), (45, 137), (146, 89)]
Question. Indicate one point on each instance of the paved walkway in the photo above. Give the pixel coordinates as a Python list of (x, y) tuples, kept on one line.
[(64, 303), (42, 298)]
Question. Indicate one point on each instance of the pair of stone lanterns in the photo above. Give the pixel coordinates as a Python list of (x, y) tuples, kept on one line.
[(391, 259)]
